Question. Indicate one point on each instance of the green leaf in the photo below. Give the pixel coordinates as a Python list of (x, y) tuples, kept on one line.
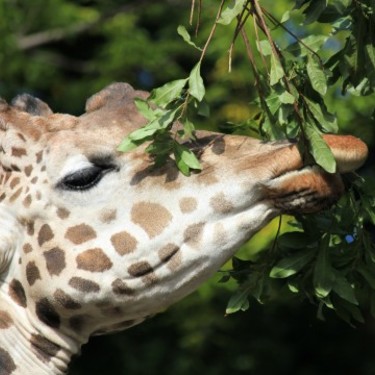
[(186, 156), (345, 290), (127, 145), (239, 301), (165, 94), (319, 149), (189, 128), (293, 240), (181, 30), (285, 17), (231, 12), (323, 278), (264, 47), (325, 120), (368, 276), (287, 98), (144, 108), (196, 85), (142, 133), (277, 71), (316, 74), (314, 42), (291, 265), (314, 10)]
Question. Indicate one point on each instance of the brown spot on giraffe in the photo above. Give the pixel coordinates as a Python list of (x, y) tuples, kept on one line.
[(140, 269), (34, 180), (188, 204), (39, 156), (80, 233), (27, 201), (17, 292), (123, 242), (14, 182), (65, 300), (108, 215), (45, 234), (6, 320), (153, 218), (170, 254), (18, 152), (62, 213), (28, 169), (32, 273), (7, 365), (21, 137), (193, 234), (77, 322), (84, 285), (221, 204), (44, 349), (220, 234), (30, 228), (55, 261), (27, 248), (93, 260), (47, 313), (15, 195), (120, 288)]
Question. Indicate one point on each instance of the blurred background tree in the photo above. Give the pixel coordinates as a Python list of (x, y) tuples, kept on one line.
[(63, 51)]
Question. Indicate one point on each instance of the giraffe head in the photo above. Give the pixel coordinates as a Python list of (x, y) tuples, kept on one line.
[(93, 240)]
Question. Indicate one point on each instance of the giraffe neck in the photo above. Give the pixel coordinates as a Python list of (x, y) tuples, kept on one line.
[(23, 348)]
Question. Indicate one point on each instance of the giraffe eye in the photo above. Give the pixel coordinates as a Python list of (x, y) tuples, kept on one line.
[(84, 179)]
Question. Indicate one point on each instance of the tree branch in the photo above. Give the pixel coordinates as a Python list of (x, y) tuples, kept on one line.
[(56, 35)]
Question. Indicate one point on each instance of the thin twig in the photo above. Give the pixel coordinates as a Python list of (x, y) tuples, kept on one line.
[(199, 17), (192, 12), (300, 41), (212, 32), (241, 20)]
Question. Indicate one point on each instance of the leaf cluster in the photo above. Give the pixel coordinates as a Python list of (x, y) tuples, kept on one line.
[(166, 106), (328, 258)]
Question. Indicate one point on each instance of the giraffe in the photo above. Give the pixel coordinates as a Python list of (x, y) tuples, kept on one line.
[(94, 241)]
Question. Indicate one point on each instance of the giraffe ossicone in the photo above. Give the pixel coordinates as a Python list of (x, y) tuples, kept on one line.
[(94, 241)]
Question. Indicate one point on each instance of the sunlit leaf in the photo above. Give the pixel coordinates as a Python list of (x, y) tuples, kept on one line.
[(286, 98), (320, 150), (196, 85), (127, 144), (264, 47), (231, 12), (238, 301), (291, 265), (326, 121), (165, 94), (187, 156), (181, 30), (277, 71), (144, 108), (316, 74)]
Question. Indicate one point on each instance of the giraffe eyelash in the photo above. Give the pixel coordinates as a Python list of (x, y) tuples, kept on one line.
[(85, 179)]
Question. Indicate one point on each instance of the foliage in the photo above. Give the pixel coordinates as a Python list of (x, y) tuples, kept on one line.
[(316, 260)]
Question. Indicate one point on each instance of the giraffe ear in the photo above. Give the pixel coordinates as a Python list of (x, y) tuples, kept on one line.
[(30, 104), (116, 93)]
